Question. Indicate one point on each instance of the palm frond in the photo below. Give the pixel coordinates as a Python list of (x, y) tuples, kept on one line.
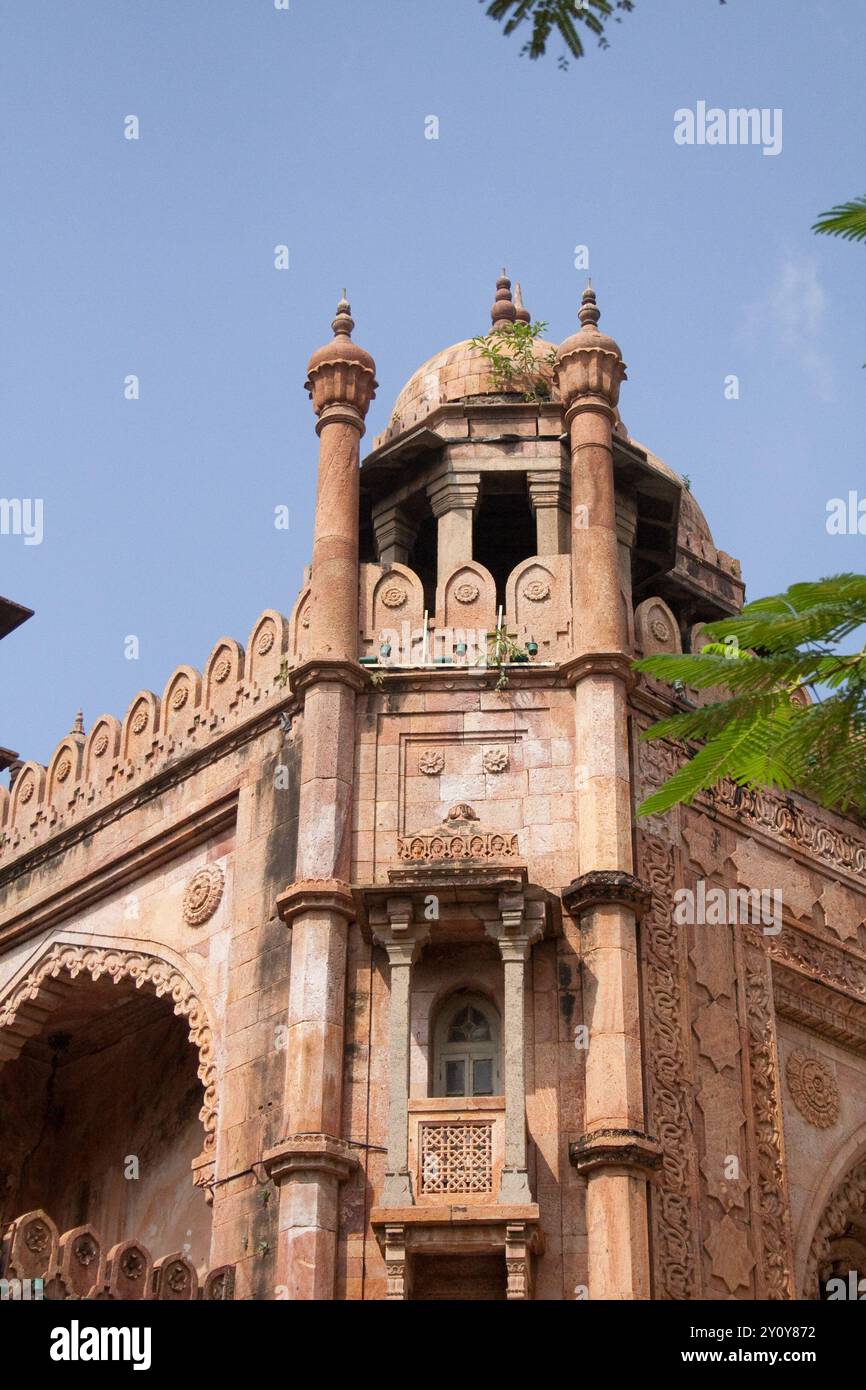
[(847, 220)]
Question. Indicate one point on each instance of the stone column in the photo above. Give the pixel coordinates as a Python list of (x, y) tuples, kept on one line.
[(548, 498), (614, 1152), (395, 535), (311, 1160), (404, 943), (515, 935), (454, 499)]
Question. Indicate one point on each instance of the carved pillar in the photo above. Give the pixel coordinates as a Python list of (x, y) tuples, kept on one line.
[(454, 499), (311, 1160), (395, 535), (515, 934), (626, 531), (548, 498), (404, 943), (615, 1153)]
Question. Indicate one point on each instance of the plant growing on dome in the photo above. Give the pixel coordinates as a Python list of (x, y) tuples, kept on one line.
[(509, 350)]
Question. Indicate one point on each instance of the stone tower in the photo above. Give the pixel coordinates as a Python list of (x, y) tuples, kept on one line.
[(363, 915)]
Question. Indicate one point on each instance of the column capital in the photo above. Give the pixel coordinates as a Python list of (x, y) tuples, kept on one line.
[(603, 887), (549, 487), (629, 1149), (309, 1153), (341, 376), (395, 929), (393, 531), (454, 491), (316, 895)]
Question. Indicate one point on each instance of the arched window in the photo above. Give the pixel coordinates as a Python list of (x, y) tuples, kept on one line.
[(466, 1060)]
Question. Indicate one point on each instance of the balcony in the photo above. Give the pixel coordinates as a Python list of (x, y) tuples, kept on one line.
[(456, 1149)]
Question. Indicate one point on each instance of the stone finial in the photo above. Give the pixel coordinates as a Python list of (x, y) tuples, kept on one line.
[(503, 312), (341, 373), (523, 315), (589, 363), (589, 312), (77, 729)]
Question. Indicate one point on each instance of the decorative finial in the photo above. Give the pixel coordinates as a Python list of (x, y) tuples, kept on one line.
[(503, 312), (78, 726), (523, 315), (343, 323), (589, 312)]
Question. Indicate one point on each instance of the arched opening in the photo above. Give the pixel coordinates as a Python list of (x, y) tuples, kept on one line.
[(467, 1047), (99, 1114), (503, 530)]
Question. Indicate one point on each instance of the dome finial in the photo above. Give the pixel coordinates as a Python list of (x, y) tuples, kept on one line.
[(343, 323), (78, 726), (523, 315), (503, 312), (589, 312)]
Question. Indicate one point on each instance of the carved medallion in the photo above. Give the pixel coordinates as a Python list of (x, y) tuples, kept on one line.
[(64, 767), (85, 1250), (461, 810), (26, 791), (139, 723), (394, 596), (536, 591), (100, 746), (202, 895), (179, 696), (466, 593), (37, 1237), (431, 762), (813, 1089), (660, 629), (266, 641), (132, 1264), (222, 670), (495, 760)]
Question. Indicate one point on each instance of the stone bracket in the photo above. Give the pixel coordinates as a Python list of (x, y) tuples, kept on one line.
[(316, 895), (616, 1148)]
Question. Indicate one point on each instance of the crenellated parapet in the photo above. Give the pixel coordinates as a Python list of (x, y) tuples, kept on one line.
[(89, 770)]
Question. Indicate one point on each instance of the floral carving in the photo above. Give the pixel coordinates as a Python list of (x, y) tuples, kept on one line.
[(100, 746), (461, 810), (142, 969), (431, 762), (26, 792), (495, 760), (266, 640), (660, 629), (222, 670), (37, 1237), (453, 846), (64, 767), (178, 1277), (202, 895), (813, 1089), (537, 590), (85, 1250), (132, 1264), (179, 696), (466, 592), (394, 596), (139, 723)]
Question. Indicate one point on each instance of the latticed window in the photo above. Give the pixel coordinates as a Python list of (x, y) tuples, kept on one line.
[(467, 1048), (457, 1157)]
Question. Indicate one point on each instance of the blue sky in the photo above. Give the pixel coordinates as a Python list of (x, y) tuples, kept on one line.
[(261, 127)]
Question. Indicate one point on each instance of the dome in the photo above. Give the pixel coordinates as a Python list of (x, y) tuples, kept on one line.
[(458, 373)]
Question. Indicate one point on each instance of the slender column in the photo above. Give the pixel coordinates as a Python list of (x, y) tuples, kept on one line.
[(548, 497), (515, 933), (311, 1160), (614, 1152), (404, 943), (453, 498)]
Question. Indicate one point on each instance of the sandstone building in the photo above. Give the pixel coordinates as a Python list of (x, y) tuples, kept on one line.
[(343, 969)]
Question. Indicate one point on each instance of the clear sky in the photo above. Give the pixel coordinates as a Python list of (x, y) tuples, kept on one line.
[(306, 127)]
